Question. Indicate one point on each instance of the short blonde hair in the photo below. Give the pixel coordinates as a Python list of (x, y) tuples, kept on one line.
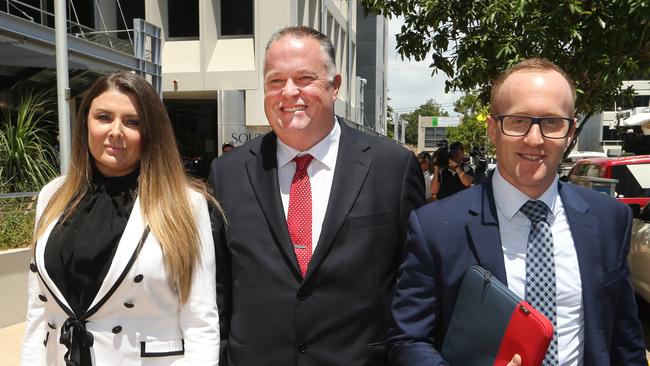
[(531, 64)]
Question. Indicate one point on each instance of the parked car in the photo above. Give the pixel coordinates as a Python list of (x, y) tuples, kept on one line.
[(575, 156), (626, 178), (639, 257)]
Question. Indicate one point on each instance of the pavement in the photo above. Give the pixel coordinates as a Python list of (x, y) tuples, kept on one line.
[(12, 336), (10, 339)]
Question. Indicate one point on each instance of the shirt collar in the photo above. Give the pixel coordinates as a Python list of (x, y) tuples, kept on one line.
[(509, 199), (323, 151)]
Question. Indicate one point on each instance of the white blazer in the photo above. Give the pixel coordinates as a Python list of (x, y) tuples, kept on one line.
[(141, 320)]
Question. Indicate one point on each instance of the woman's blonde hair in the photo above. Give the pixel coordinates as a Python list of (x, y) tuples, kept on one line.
[(162, 185)]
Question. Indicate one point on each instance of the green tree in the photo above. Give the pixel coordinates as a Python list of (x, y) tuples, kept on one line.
[(472, 130), (598, 43), (429, 108)]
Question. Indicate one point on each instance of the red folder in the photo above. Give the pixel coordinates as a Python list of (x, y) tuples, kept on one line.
[(490, 324)]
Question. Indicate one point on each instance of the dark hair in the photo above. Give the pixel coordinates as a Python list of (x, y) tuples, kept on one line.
[(531, 64), (306, 32), (227, 144), (442, 157), (158, 149), (424, 155)]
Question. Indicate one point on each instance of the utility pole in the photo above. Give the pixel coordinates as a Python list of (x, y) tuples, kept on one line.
[(395, 122), (62, 83)]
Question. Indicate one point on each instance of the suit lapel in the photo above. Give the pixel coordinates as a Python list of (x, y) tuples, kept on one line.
[(262, 171), (352, 164), (483, 228), (125, 249), (584, 230)]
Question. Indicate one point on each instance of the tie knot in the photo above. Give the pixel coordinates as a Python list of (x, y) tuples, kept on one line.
[(302, 162), (536, 211)]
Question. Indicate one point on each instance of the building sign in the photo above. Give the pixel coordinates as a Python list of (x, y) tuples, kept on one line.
[(239, 135), (439, 121)]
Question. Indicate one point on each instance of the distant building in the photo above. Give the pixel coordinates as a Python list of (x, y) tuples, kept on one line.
[(212, 58), (432, 129), (27, 46), (600, 131), (213, 53)]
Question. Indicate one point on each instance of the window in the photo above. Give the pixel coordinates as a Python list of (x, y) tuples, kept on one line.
[(183, 18), (642, 100), (195, 126), (236, 17), (131, 9), (432, 135)]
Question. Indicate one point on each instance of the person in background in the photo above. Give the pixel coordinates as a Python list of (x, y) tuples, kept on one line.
[(123, 269), (451, 173), (424, 160), (559, 246), (227, 147), (316, 219)]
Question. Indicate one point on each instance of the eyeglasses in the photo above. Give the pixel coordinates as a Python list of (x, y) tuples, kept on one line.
[(551, 127)]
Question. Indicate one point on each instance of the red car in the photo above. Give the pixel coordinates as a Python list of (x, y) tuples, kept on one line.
[(626, 178)]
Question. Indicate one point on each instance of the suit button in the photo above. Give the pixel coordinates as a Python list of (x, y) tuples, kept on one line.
[(116, 329), (138, 278), (33, 268), (42, 298), (302, 348), (301, 296), (128, 305)]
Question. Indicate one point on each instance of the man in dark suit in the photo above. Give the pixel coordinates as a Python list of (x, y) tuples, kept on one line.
[(316, 216), (576, 246)]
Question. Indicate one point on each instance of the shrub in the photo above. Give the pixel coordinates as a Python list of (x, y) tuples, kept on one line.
[(16, 228), (26, 156)]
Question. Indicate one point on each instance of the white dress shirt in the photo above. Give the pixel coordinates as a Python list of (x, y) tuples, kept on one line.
[(514, 228), (320, 172)]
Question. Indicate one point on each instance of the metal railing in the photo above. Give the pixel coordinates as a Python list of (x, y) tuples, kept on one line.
[(106, 38)]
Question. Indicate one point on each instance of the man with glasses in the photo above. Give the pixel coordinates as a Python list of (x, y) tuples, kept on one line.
[(559, 246)]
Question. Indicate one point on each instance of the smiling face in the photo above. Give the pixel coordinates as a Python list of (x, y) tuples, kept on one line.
[(299, 94), (114, 133), (530, 162)]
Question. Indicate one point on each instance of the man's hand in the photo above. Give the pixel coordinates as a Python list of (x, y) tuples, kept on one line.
[(516, 361)]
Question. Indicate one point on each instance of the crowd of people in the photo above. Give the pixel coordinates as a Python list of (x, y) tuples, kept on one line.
[(313, 244)]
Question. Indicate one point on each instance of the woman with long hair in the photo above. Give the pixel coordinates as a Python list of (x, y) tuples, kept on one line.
[(124, 265)]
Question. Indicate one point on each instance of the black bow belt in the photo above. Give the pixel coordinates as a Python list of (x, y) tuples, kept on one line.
[(78, 340)]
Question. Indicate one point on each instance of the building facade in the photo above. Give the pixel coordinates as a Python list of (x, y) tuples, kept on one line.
[(212, 54), (212, 62), (600, 132)]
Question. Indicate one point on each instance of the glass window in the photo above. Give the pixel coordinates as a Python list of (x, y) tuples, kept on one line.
[(183, 18), (642, 100), (195, 126), (432, 135), (236, 17), (610, 134), (131, 9)]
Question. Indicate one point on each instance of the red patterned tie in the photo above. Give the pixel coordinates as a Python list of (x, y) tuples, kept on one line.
[(299, 215)]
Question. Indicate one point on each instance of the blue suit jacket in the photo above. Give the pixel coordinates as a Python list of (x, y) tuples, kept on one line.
[(445, 238)]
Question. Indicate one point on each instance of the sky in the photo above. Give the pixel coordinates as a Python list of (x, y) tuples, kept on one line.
[(410, 83)]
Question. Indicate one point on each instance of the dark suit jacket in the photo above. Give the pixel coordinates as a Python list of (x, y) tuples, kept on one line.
[(340, 313), (449, 236)]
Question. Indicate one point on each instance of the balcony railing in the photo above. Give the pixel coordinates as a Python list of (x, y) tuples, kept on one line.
[(108, 38)]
